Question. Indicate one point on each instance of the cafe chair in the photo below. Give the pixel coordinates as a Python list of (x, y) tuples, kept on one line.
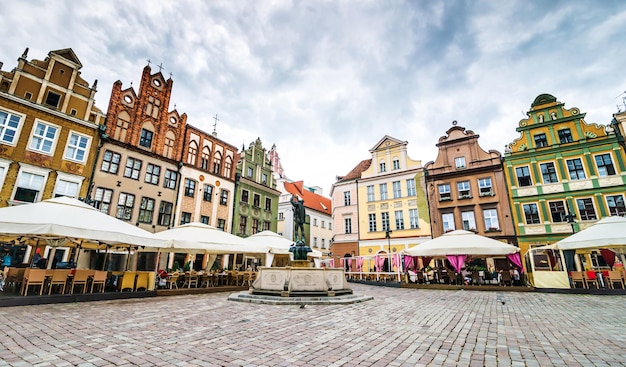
[(506, 278), (33, 277), (577, 277), (99, 279), (247, 278), (59, 279), (80, 278), (143, 280), (476, 277), (172, 281), (191, 279), (591, 277), (615, 276), (128, 281)]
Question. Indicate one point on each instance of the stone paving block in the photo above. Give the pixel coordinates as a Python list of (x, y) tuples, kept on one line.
[(399, 327)]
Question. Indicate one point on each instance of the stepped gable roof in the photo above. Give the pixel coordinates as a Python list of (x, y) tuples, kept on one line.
[(312, 200), (356, 171)]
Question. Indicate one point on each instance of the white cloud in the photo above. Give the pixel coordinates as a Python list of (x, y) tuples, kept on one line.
[(324, 81)]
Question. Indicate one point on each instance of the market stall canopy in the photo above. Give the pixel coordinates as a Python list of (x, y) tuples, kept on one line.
[(70, 220), (274, 243), (198, 237), (609, 232), (462, 242)]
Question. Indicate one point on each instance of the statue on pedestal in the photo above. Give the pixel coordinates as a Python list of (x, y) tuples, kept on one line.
[(300, 249)]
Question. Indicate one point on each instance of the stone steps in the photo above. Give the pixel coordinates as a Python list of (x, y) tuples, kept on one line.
[(300, 300)]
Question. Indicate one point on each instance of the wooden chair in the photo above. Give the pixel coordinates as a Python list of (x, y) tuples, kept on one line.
[(591, 277), (14, 278), (33, 277), (80, 278), (172, 281), (577, 277), (59, 278), (420, 277), (99, 279), (476, 277), (191, 279), (615, 276), (506, 278), (128, 281), (247, 278)]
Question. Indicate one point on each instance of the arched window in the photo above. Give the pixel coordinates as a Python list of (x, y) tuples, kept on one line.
[(217, 163), (121, 128), (168, 147), (206, 158), (228, 166), (192, 153)]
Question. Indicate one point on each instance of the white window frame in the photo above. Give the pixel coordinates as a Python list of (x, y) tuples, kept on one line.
[(61, 176), (410, 187), (444, 189), (399, 218), (347, 200), (347, 225), (17, 130), (489, 215), (485, 187), (33, 170), (396, 164), (77, 148), (4, 168), (397, 189), (468, 220), (414, 219), (447, 222), (383, 191), (464, 189), (53, 141), (370, 193), (459, 162)]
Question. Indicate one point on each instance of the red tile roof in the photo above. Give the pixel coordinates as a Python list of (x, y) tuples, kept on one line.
[(356, 171), (311, 200)]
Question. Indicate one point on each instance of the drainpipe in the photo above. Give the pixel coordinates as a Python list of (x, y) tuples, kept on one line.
[(103, 137)]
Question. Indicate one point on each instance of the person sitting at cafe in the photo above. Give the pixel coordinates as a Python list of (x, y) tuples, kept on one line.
[(467, 276), (515, 276), (6, 259)]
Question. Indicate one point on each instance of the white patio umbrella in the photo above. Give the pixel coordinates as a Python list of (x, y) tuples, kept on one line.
[(197, 237), (608, 232), (462, 242), (275, 243), (67, 221)]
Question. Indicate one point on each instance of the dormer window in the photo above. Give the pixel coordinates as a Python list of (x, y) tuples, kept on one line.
[(541, 140), (459, 162), (53, 99)]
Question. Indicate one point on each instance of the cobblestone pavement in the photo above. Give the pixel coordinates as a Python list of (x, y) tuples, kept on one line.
[(400, 327)]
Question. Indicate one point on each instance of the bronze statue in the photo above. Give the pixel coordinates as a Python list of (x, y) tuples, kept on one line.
[(299, 217)]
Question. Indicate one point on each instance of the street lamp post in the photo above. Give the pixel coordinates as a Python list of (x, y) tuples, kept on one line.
[(388, 236)]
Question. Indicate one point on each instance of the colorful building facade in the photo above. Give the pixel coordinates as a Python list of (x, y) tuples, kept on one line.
[(344, 195), (49, 128), (563, 174), (392, 204), (467, 189), (256, 196)]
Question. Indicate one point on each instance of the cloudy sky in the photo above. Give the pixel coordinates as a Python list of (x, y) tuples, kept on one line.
[(326, 80)]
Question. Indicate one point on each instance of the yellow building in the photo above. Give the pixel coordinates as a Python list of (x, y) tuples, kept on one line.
[(392, 205), (48, 129)]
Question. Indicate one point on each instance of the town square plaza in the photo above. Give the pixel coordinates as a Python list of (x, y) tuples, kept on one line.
[(399, 327)]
